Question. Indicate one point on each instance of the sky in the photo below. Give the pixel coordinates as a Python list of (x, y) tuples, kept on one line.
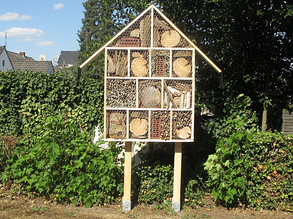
[(41, 27)]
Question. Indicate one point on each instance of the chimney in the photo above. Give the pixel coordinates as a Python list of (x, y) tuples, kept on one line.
[(22, 53)]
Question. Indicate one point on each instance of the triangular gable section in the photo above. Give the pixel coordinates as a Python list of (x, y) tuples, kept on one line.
[(151, 29)]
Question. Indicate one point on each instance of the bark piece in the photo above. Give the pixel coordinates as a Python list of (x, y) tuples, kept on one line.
[(174, 91), (137, 55), (182, 54), (181, 67), (139, 67), (135, 33), (145, 30), (160, 24), (116, 125), (111, 65), (138, 126), (170, 38)]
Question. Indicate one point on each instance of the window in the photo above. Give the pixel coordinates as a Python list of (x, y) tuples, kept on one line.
[(3, 63)]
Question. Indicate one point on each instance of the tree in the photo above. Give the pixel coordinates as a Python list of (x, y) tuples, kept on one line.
[(251, 41), (98, 26)]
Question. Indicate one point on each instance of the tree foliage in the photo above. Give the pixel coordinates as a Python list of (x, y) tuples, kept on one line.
[(98, 26), (251, 41)]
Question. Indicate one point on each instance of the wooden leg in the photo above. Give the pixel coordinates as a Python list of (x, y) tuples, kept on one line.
[(176, 205), (126, 203)]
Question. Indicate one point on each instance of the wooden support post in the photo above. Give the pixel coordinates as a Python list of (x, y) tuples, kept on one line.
[(126, 203), (176, 201)]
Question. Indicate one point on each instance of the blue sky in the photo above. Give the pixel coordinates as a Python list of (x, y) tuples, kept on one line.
[(39, 27)]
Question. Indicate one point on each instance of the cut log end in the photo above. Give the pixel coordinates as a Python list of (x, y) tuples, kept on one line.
[(181, 67), (139, 126), (150, 97), (139, 67), (184, 132), (170, 38)]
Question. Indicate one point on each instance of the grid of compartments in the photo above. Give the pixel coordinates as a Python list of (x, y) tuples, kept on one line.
[(149, 79)]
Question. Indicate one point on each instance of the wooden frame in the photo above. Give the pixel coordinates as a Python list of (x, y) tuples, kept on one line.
[(135, 95)]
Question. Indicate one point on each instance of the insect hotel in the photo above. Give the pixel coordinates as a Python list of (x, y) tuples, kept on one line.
[(149, 95)]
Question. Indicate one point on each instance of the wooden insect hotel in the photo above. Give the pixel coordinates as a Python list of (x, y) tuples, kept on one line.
[(150, 69)]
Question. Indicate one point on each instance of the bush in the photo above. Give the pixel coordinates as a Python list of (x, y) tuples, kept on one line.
[(59, 161), (154, 183), (194, 193), (27, 98), (254, 169)]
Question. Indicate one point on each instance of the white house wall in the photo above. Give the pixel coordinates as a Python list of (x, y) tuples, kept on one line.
[(5, 63)]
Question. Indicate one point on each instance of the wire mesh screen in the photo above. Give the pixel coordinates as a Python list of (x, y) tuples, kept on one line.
[(117, 63), (138, 35), (116, 124), (149, 79), (165, 35)]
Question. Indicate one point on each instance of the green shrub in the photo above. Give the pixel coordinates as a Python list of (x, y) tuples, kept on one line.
[(194, 193), (237, 117), (154, 183), (58, 160), (27, 98), (254, 169)]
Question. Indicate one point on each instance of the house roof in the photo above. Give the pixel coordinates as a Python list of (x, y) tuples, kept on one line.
[(150, 8), (14, 57), (1, 49), (67, 57), (35, 66)]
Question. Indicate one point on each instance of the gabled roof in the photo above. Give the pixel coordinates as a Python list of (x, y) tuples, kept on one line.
[(138, 22), (35, 66), (67, 57), (14, 57), (1, 49)]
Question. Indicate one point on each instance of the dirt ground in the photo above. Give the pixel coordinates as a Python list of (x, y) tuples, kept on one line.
[(22, 207)]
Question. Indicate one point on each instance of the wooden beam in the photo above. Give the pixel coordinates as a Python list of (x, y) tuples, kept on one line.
[(126, 203), (176, 205), (93, 56)]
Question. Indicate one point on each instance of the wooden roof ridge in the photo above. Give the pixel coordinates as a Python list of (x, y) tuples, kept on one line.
[(152, 6)]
